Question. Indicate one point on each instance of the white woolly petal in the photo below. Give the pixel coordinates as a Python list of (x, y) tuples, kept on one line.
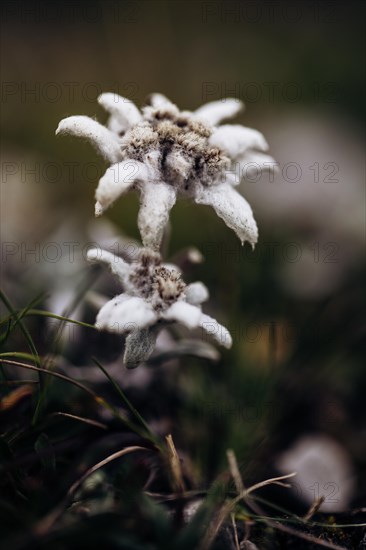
[(152, 163), (216, 111), (159, 101), (125, 314), (124, 112), (232, 208), (178, 164), (116, 126), (138, 347), (253, 164), (117, 265), (235, 139), (196, 293), (118, 179), (157, 199), (186, 314), (217, 331), (102, 138)]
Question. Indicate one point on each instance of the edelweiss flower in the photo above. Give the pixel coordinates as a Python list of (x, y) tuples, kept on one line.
[(155, 295), (165, 153)]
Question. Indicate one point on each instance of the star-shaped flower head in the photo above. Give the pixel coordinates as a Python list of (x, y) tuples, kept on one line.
[(165, 153), (155, 295)]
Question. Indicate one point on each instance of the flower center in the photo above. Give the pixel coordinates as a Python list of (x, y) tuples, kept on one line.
[(155, 283), (168, 287), (185, 154)]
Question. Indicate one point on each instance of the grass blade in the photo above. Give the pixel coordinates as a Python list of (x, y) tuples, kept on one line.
[(27, 336), (128, 404)]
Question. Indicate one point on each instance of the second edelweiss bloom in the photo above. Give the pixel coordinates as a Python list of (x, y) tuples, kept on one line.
[(165, 153), (154, 296)]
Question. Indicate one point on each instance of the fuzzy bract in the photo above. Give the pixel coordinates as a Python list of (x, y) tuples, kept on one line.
[(155, 295), (165, 153)]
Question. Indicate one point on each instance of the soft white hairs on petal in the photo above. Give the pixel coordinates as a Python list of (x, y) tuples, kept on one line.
[(157, 199), (102, 138), (186, 314), (118, 179), (116, 126), (253, 164), (124, 112), (196, 293), (152, 162), (178, 164), (125, 314), (232, 208), (159, 101), (217, 331), (216, 111), (117, 265), (138, 347), (234, 139)]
